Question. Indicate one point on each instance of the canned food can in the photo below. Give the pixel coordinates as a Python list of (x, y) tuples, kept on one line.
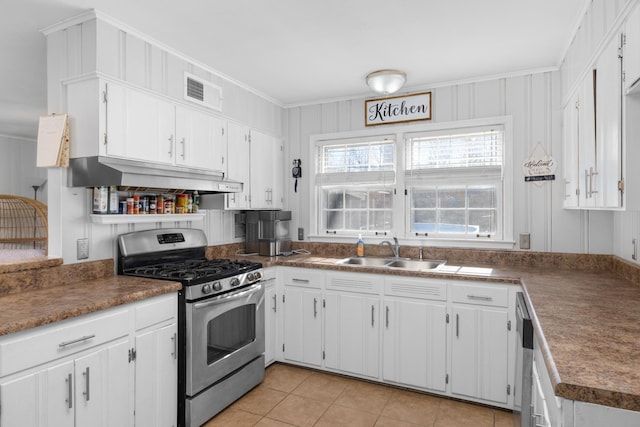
[(114, 202), (123, 207), (167, 206), (152, 204), (144, 205), (160, 204)]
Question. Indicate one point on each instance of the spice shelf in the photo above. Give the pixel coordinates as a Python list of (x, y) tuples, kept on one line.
[(137, 219)]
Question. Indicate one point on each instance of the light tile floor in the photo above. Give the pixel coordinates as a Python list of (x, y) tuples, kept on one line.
[(296, 396)]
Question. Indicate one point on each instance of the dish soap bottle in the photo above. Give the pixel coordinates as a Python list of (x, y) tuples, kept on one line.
[(360, 246)]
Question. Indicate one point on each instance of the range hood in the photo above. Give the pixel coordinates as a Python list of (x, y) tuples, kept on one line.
[(100, 170)]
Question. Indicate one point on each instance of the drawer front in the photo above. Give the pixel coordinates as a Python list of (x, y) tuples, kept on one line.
[(416, 288), (156, 310), (305, 278), (354, 282), (480, 294), (33, 347)]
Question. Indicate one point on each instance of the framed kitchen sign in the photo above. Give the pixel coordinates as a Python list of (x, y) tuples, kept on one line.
[(397, 109)]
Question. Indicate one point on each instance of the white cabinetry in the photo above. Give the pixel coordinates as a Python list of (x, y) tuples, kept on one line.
[(81, 371), (271, 315), (156, 362), (480, 342), (632, 50), (352, 323), (266, 172), (239, 164), (113, 119), (302, 307), (414, 332)]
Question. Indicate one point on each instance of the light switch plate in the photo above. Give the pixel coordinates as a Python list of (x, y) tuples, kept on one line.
[(300, 233), (83, 248), (525, 241)]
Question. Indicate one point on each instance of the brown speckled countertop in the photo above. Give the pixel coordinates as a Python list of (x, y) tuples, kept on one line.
[(586, 314), (35, 297)]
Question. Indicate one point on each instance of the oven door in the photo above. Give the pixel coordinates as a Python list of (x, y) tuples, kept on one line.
[(224, 333)]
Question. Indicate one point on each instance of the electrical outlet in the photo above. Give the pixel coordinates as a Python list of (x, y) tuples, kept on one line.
[(300, 233), (525, 241), (83, 248)]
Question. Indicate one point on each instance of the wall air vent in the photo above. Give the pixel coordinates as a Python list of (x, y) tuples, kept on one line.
[(201, 92)]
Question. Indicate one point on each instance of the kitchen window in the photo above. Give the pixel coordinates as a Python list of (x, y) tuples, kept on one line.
[(454, 183), (450, 182), (355, 181)]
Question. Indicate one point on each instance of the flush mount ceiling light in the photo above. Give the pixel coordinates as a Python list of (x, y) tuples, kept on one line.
[(386, 81)]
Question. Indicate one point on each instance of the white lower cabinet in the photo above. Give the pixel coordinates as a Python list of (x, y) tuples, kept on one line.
[(415, 333), (80, 372), (270, 316), (352, 323), (302, 310), (480, 343)]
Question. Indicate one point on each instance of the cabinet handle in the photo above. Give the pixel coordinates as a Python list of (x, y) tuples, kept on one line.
[(591, 174), (387, 317), (586, 183), (315, 308), (171, 146), (69, 399), (457, 325), (274, 304), (479, 297), (174, 338), (184, 147), (372, 311), (300, 280), (87, 384), (566, 183), (77, 340)]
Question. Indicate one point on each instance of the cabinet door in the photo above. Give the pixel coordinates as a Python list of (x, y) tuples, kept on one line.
[(570, 171), (20, 404), (156, 377), (479, 353), (414, 343), (586, 141), (239, 167), (270, 326), (59, 394), (608, 140), (114, 111), (118, 385), (198, 138), (142, 135), (90, 387), (266, 171), (302, 325), (352, 334)]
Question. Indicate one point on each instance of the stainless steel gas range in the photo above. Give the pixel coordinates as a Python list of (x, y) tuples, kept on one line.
[(220, 317)]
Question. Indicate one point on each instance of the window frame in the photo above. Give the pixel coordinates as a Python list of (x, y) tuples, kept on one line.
[(401, 208)]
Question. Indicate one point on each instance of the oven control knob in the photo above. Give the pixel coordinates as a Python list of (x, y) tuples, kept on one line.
[(217, 286), (206, 289), (234, 282), (258, 275), (251, 277)]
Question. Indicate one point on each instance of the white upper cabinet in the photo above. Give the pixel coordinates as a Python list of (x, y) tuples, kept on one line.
[(266, 171), (632, 50), (239, 166)]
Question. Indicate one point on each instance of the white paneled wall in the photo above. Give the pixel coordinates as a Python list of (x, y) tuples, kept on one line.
[(533, 101), (18, 171)]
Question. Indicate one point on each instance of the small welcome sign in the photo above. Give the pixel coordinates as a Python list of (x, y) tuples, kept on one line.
[(539, 167), (397, 109)]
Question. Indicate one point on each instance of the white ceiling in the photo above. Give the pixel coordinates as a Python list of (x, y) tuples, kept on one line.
[(301, 51)]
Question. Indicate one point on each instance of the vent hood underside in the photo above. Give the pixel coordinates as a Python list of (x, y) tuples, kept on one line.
[(99, 170)]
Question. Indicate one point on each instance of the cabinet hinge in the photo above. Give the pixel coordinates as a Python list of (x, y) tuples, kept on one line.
[(446, 379), (132, 354), (323, 355), (283, 298), (222, 131), (324, 303), (621, 186), (283, 348), (406, 192), (447, 317), (508, 325), (508, 389)]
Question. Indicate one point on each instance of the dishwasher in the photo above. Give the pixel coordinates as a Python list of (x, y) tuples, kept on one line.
[(523, 416)]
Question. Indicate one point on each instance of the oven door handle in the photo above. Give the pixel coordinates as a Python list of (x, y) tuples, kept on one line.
[(229, 297)]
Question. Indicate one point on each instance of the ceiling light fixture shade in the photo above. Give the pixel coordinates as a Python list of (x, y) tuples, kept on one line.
[(386, 81)]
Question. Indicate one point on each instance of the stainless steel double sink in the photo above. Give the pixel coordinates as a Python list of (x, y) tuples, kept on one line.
[(394, 263)]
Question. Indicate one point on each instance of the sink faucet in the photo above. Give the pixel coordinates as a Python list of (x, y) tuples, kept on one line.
[(395, 246)]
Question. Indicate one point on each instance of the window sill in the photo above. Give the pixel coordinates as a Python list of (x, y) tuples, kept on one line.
[(418, 241)]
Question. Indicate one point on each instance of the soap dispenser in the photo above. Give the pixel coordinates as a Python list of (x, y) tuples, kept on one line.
[(360, 246)]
